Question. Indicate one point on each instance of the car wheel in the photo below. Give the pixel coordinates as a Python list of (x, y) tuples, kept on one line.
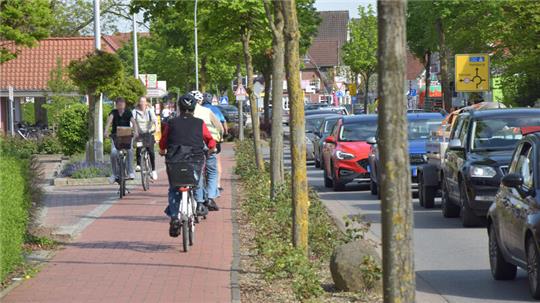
[(420, 191), (338, 186), (468, 218), (500, 269), (372, 187), (327, 181), (533, 270), (428, 193), (449, 209)]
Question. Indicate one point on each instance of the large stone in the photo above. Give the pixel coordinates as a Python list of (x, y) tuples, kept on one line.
[(346, 262)]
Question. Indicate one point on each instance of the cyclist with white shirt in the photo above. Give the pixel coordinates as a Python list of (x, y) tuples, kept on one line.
[(147, 123)]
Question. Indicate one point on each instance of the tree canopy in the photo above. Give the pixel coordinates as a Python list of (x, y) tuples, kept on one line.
[(23, 23)]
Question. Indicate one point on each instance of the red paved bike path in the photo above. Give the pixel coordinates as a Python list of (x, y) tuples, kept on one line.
[(126, 255)]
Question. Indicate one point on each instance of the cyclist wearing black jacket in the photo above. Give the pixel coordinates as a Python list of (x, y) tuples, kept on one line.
[(185, 131)]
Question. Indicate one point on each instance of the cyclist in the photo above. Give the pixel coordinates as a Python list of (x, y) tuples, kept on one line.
[(184, 131), (147, 123), (120, 116), (208, 192), (207, 102)]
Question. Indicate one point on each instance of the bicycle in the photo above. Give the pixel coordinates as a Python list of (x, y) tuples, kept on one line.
[(123, 145), (145, 142), (184, 177)]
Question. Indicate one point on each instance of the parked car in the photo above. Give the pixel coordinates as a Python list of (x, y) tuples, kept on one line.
[(318, 105), (514, 217), (313, 124), (346, 151), (478, 155), (327, 110), (430, 174), (231, 113), (324, 131), (420, 126)]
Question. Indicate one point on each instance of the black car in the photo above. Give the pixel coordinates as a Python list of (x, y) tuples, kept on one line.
[(313, 124), (231, 113), (478, 155), (514, 218)]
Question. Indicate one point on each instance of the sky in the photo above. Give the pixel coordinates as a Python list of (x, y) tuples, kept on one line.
[(350, 5)]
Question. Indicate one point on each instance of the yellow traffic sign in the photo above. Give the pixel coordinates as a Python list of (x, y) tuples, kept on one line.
[(472, 73)]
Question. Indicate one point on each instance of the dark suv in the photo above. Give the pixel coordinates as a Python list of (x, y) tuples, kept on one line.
[(478, 155), (514, 218)]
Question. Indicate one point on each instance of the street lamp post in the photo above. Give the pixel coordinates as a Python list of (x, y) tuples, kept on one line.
[(309, 59), (98, 147), (196, 51), (135, 49)]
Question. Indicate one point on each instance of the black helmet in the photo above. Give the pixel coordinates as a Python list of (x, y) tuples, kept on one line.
[(207, 98), (187, 102)]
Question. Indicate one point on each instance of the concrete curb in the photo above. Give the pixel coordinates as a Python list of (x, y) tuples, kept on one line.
[(235, 266)]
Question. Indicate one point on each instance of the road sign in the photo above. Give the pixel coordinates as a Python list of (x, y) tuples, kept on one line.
[(340, 94), (352, 89), (412, 92), (224, 100), (149, 80), (240, 91), (472, 73)]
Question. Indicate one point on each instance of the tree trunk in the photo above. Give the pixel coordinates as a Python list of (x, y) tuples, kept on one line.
[(92, 123), (396, 202), (300, 198), (428, 76), (356, 83), (443, 57), (267, 75), (255, 122), (366, 92), (240, 105), (202, 75), (276, 22)]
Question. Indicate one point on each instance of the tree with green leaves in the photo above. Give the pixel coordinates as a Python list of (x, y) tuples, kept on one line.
[(23, 23), (360, 53), (61, 94), (93, 75)]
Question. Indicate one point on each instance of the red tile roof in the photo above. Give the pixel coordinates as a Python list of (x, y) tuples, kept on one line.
[(332, 34), (414, 67), (31, 69)]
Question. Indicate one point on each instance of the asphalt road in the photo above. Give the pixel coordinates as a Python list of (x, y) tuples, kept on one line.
[(451, 262)]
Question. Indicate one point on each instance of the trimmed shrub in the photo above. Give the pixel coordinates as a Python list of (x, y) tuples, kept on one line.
[(49, 145), (17, 147), (72, 130)]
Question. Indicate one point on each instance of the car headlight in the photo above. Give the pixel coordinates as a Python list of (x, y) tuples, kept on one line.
[(479, 171), (344, 156)]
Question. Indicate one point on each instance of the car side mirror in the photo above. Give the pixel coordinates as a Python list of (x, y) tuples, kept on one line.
[(330, 139), (512, 180), (455, 144), (371, 141)]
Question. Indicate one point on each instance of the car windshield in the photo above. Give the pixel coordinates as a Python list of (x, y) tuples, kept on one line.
[(359, 131), (315, 106), (421, 128), (312, 125), (229, 108), (501, 133), (329, 125)]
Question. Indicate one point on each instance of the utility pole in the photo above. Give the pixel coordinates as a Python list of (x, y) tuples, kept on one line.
[(135, 49), (98, 120), (240, 106), (396, 197), (196, 51)]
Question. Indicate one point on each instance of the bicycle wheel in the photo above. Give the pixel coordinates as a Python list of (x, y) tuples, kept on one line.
[(121, 177), (185, 234), (144, 170), (191, 232)]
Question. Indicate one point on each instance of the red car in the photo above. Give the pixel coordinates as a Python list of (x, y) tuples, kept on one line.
[(346, 151)]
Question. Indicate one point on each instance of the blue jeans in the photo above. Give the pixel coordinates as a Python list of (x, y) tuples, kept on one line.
[(208, 183), (174, 202)]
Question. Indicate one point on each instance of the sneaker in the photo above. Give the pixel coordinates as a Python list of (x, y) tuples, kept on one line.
[(201, 209), (174, 228), (131, 176), (212, 206), (112, 179), (154, 175), (138, 168)]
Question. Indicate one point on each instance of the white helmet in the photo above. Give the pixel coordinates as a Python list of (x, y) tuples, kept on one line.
[(197, 95)]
